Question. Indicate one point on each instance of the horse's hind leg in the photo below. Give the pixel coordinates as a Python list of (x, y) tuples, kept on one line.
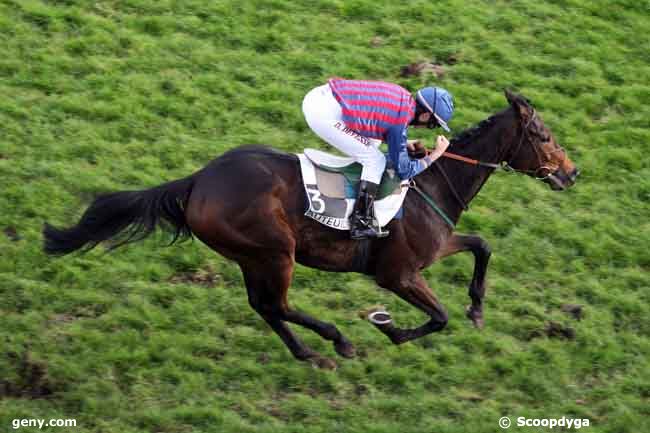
[(326, 330), (481, 250), (255, 233), (267, 282)]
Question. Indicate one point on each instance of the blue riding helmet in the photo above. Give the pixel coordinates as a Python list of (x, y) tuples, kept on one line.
[(439, 102)]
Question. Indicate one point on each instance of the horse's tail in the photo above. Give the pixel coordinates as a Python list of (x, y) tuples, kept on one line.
[(127, 216)]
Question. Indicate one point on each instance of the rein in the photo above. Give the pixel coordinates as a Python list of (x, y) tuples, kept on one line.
[(505, 165), (455, 193), (470, 160)]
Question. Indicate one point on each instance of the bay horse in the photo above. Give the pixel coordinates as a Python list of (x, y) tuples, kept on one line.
[(248, 205)]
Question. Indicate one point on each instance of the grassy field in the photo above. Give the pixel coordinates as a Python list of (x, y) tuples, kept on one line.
[(111, 95)]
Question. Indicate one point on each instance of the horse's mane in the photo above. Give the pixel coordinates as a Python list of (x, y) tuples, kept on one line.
[(468, 135)]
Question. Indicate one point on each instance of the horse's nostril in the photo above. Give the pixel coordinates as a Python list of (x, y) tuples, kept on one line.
[(574, 174)]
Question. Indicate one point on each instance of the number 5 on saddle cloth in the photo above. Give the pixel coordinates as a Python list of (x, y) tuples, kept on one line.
[(331, 184)]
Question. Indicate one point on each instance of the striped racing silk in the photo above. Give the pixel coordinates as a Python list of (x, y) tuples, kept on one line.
[(372, 107)]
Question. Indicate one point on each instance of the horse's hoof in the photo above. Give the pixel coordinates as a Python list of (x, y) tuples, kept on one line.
[(323, 362), (380, 318), (475, 316), (345, 349)]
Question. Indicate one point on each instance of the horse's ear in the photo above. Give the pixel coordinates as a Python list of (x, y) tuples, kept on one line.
[(520, 104), (510, 96)]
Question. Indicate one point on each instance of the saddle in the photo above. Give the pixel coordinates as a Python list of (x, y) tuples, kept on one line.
[(331, 184)]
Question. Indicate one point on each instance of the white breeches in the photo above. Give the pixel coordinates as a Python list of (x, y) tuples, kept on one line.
[(323, 114)]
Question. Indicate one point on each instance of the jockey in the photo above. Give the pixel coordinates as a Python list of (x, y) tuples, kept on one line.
[(356, 116)]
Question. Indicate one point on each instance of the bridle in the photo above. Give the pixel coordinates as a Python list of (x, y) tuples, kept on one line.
[(541, 155), (506, 165)]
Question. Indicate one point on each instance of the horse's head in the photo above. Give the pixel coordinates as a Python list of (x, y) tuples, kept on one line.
[(534, 150)]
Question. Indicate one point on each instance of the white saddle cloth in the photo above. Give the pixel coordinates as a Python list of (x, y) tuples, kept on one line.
[(334, 210)]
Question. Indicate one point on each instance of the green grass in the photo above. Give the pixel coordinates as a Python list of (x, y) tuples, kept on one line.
[(113, 95)]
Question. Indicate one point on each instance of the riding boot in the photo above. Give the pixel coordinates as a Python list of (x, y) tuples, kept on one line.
[(363, 223)]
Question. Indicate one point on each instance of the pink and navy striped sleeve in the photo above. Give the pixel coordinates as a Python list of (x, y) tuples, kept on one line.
[(382, 111)]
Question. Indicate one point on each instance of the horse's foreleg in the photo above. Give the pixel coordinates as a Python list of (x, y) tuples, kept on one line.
[(481, 250), (416, 292)]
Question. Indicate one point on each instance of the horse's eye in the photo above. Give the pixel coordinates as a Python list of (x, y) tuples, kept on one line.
[(543, 136)]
